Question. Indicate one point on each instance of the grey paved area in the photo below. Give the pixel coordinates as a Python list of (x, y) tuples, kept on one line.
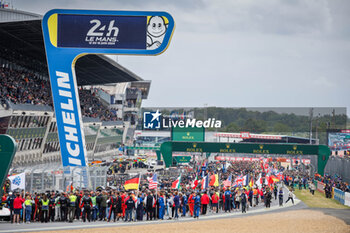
[(343, 214)]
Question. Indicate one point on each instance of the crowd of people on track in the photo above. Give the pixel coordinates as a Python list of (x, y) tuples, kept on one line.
[(116, 204), (108, 205)]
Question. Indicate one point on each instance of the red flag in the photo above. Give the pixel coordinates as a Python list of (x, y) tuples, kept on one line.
[(274, 178), (212, 180), (70, 188), (195, 183), (270, 180), (266, 166), (176, 183), (280, 176)]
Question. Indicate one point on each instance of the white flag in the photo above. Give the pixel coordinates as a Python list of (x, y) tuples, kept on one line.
[(267, 180), (18, 181), (259, 182)]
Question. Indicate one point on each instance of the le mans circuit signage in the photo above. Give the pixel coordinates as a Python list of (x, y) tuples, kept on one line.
[(321, 151), (70, 34), (91, 31)]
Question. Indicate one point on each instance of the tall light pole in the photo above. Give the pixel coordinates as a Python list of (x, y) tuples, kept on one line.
[(316, 132), (311, 115), (205, 112)]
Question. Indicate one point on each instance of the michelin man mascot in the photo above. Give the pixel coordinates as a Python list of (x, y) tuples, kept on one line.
[(156, 29)]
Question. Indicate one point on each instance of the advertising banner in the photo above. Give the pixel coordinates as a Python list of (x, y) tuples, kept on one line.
[(182, 159), (71, 34), (230, 158), (190, 134), (222, 158), (339, 195), (347, 199), (320, 186), (85, 31)]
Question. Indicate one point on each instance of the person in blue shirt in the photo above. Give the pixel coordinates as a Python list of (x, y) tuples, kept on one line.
[(177, 205), (228, 200), (243, 202), (280, 197), (139, 208), (197, 205), (161, 206), (184, 204), (250, 197), (232, 203)]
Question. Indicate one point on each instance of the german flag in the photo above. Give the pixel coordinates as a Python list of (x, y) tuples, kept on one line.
[(133, 183)]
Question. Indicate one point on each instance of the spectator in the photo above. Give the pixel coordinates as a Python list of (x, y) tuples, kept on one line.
[(24, 87), (17, 206)]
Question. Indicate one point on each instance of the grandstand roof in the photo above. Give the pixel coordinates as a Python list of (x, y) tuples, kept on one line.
[(30, 107), (11, 15), (21, 41)]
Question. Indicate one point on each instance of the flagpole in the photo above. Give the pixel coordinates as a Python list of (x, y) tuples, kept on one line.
[(138, 186), (24, 196), (180, 183), (157, 211)]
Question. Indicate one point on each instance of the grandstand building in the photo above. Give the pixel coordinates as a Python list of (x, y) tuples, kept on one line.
[(110, 96)]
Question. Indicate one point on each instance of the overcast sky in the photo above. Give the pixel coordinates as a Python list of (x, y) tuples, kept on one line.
[(241, 53)]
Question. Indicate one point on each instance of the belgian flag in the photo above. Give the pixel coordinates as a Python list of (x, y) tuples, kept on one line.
[(132, 183)]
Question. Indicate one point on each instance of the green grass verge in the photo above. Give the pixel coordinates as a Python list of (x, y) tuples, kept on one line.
[(318, 200)]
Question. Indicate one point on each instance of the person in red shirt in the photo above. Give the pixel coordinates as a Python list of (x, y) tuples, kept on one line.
[(261, 194), (205, 202), (123, 203), (214, 202), (17, 206), (191, 203)]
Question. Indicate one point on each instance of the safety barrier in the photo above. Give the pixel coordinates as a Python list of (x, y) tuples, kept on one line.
[(41, 178), (342, 197)]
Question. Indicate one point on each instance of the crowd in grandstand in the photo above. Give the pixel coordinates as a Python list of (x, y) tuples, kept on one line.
[(23, 87), (91, 106)]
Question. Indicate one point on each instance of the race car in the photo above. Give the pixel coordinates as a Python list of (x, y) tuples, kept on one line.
[(4, 213)]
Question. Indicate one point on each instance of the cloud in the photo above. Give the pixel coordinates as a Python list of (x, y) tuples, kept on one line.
[(270, 16), (241, 52), (307, 17)]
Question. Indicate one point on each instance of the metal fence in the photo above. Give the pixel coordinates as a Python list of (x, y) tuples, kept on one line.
[(338, 166), (53, 177)]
